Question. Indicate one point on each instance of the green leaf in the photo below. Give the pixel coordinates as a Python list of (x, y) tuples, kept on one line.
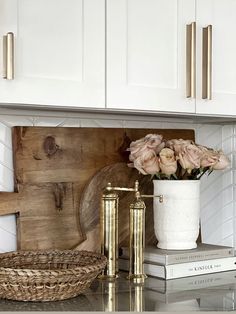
[(175, 176)]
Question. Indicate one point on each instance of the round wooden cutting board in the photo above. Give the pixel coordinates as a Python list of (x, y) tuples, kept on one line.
[(119, 174)]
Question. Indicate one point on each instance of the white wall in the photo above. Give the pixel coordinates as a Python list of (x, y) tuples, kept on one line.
[(218, 191)]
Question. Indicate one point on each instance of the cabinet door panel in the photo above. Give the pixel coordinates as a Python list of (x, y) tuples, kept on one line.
[(146, 54), (59, 52), (222, 16)]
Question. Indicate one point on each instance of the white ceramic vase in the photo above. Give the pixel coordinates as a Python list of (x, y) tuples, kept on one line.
[(176, 219)]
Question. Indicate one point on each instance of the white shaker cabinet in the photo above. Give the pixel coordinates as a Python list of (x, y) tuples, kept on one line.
[(219, 77), (146, 54), (59, 52)]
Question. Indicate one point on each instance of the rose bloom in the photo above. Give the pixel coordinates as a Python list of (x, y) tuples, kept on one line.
[(168, 163), (222, 163), (189, 157), (209, 158), (147, 163), (154, 141), (178, 144), (214, 159), (149, 142)]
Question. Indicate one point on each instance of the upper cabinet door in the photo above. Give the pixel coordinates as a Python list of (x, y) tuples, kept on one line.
[(216, 57), (146, 54), (59, 52)]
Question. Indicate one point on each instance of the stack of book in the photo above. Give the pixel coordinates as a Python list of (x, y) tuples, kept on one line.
[(170, 264)]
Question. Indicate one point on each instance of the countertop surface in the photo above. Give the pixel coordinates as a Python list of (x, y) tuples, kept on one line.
[(214, 292)]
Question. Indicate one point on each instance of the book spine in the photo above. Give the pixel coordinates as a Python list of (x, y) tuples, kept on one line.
[(200, 267), (198, 256), (185, 269)]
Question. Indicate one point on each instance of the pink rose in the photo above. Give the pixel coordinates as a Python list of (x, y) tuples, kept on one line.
[(209, 158), (222, 162), (149, 142), (168, 163), (154, 141), (147, 163), (178, 144), (214, 159), (189, 157)]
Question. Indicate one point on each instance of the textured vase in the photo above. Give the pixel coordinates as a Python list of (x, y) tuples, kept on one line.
[(176, 219)]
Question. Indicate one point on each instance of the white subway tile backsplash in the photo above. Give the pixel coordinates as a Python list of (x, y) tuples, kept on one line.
[(102, 123), (11, 120), (227, 229), (6, 179), (218, 190), (6, 224), (73, 123), (222, 234), (227, 195), (218, 217), (5, 135), (227, 241), (227, 131), (6, 156), (48, 121), (227, 177), (227, 145), (8, 239)]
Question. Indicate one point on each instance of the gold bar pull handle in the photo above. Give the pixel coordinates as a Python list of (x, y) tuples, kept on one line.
[(4, 55), (8, 56), (191, 60), (207, 62)]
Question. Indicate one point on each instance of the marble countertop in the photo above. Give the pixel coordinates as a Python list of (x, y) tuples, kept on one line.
[(215, 292)]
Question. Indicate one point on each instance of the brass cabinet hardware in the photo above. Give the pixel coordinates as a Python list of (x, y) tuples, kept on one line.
[(4, 69), (207, 62), (191, 60), (8, 56)]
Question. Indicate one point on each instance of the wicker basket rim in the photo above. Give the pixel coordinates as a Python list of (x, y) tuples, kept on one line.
[(101, 261)]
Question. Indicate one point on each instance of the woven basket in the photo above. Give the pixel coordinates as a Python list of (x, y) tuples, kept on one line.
[(47, 275)]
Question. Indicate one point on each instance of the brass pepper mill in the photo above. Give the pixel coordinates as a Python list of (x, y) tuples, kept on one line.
[(137, 240), (109, 228), (109, 232), (137, 237)]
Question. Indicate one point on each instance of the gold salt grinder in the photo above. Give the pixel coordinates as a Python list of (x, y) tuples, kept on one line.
[(109, 232)]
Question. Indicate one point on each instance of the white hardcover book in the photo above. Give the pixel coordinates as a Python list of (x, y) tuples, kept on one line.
[(167, 257), (185, 269)]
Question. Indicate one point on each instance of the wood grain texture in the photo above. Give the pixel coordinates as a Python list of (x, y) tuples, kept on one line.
[(54, 168)]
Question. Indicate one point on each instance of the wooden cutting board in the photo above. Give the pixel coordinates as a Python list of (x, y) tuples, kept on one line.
[(54, 167)]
